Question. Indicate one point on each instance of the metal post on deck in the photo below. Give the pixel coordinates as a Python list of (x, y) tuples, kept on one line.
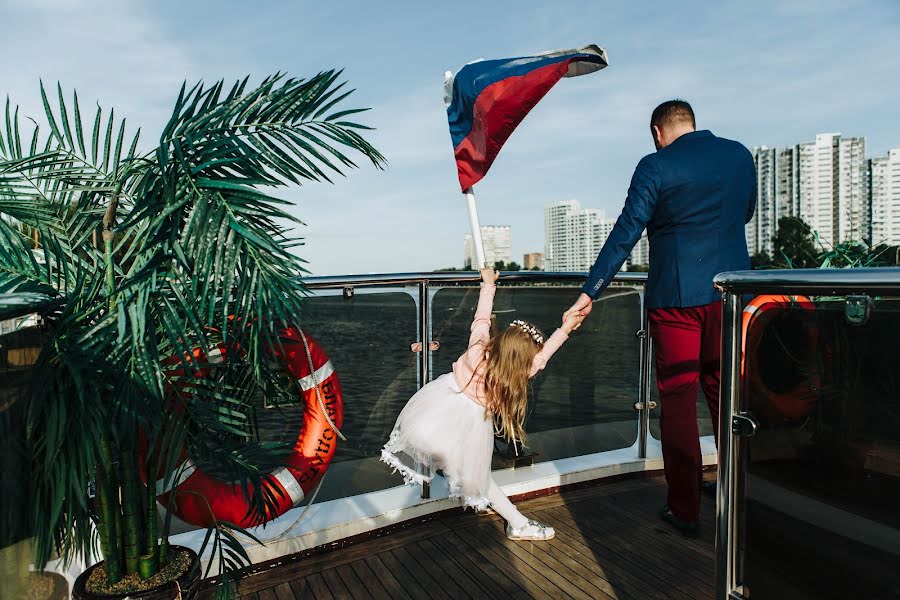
[(424, 319), (729, 405), (644, 391)]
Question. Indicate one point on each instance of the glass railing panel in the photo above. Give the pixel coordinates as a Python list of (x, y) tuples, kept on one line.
[(20, 344), (704, 422), (821, 485), (368, 339), (583, 402)]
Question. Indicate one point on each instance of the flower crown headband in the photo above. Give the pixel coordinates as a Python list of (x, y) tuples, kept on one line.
[(529, 329)]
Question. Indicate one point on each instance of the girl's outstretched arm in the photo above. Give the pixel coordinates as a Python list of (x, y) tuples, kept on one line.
[(556, 340), (481, 324)]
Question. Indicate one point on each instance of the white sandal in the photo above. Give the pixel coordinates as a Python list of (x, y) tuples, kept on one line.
[(532, 531)]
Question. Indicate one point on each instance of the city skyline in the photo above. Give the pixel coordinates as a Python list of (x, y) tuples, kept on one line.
[(830, 184)]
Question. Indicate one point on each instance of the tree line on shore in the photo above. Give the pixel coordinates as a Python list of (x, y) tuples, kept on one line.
[(797, 246)]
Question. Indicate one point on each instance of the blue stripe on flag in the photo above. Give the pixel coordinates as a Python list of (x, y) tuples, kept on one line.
[(473, 78)]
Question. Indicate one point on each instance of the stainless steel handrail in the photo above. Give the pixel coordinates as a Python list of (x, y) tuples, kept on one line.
[(456, 277), (733, 285), (881, 280)]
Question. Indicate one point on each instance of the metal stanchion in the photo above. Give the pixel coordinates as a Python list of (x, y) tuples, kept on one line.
[(424, 355), (644, 405), (729, 403)]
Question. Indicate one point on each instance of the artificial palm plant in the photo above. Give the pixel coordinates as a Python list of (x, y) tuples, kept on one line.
[(140, 257)]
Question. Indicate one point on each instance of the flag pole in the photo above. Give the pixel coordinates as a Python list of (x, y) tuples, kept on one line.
[(476, 228), (469, 192)]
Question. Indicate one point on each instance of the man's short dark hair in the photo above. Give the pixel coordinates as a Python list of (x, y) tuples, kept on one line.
[(672, 112)]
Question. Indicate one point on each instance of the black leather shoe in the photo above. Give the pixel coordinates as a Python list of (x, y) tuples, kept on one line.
[(686, 528), (709, 487)]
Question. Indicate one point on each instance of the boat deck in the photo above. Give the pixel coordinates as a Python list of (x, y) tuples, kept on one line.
[(609, 544)]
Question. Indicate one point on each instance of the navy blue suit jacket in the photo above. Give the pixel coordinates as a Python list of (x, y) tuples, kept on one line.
[(694, 197)]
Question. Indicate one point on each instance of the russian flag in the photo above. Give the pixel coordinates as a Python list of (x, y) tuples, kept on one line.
[(487, 100)]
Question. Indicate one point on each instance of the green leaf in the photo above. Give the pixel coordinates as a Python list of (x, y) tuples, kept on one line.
[(79, 133), (48, 112), (64, 117)]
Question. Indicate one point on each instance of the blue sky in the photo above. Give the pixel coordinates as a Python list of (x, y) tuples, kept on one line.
[(762, 72)]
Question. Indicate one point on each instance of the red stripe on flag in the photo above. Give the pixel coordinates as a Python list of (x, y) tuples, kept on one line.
[(499, 109)]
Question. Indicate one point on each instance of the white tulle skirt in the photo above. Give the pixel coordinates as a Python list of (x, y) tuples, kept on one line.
[(442, 428)]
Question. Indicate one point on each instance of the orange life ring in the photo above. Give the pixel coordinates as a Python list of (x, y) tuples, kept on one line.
[(790, 392), (200, 499)]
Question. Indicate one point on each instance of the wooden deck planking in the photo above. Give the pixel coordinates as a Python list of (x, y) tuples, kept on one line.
[(386, 578), (610, 545)]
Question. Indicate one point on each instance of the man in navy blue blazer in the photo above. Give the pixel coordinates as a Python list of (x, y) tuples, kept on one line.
[(693, 195)]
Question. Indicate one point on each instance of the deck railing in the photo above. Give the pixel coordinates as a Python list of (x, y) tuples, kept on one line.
[(534, 295), (390, 334), (827, 470)]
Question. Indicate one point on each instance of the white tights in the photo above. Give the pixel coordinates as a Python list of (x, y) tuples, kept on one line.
[(501, 504)]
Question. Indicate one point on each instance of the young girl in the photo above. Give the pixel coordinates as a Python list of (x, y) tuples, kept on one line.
[(450, 423)]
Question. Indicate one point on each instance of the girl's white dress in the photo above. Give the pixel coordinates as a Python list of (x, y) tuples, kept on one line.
[(442, 428), (445, 427)]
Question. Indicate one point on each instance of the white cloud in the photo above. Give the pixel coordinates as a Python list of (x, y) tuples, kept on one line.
[(110, 51)]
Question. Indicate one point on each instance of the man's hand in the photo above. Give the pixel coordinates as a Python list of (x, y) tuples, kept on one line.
[(582, 306), (489, 276)]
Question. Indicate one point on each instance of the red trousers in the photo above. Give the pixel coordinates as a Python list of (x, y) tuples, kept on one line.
[(687, 345)]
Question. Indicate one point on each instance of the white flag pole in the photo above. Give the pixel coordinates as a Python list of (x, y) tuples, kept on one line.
[(476, 229)]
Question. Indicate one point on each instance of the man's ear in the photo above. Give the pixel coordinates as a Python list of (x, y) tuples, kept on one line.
[(657, 136)]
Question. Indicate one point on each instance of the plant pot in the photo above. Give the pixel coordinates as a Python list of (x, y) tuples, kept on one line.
[(187, 585), (35, 586)]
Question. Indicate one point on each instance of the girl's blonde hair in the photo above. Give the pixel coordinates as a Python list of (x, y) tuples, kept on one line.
[(509, 356)]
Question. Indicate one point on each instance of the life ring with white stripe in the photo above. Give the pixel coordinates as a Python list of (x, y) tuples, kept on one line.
[(778, 363), (201, 499)]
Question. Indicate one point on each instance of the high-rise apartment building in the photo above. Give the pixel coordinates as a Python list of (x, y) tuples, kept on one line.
[(572, 236), (556, 233), (854, 218), (817, 186), (760, 231), (833, 188), (787, 183), (497, 241), (884, 188)]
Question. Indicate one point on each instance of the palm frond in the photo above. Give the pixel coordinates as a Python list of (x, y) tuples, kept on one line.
[(203, 202), (56, 190)]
